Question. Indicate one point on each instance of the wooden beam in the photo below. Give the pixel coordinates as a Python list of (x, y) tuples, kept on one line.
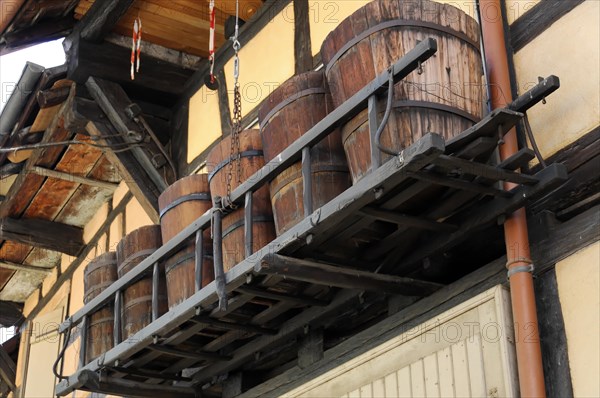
[(101, 18), (158, 81), (208, 321), (109, 186), (232, 387), (10, 169), (210, 356), (539, 18), (38, 33), (138, 182), (10, 313), (298, 300), (324, 274), (113, 100), (8, 369), (168, 55), (24, 267), (311, 348), (302, 44), (52, 96), (46, 234), (410, 221), (66, 275)]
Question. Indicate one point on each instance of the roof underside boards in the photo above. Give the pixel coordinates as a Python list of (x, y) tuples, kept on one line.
[(181, 25), (64, 202)]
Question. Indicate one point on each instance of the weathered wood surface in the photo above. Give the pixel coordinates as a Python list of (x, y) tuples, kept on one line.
[(279, 129), (263, 230), (137, 298), (180, 267), (101, 18), (46, 234), (137, 181), (98, 275), (537, 19), (418, 97)]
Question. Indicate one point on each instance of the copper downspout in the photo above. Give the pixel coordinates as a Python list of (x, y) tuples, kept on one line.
[(529, 353)]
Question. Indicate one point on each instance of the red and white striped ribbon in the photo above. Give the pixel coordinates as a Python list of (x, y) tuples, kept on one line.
[(211, 41), (136, 47)]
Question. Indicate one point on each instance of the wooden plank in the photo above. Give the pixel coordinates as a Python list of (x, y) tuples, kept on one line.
[(311, 348), (188, 354), (549, 178), (52, 96), (405, 220), (208, 321), (8, 369), (43, 233), (298, 300), (101, 19), (73, 178), (113, 100), (67, 274), (323, 274), (302, 44), (483, 170), (539, 18), (137, 182), (24, 267)]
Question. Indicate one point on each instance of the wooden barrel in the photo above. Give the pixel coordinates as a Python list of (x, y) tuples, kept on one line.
[(290, 111), (99, 274), (251, 160), (445, 98), (137, 298), (180, 205)]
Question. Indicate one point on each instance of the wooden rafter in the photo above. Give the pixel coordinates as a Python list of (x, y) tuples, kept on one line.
[(43, 233)]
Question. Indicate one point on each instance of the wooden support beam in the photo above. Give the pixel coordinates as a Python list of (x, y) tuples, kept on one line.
[(409, 221), (160, 82), (10, 169), (232, 387), (10, 313), (455, 183), (113, 100), (323, 274), (302, 301), (41, 32), (208, 321), (311, 348), (302, 43), (121, 387), (24, 267), (52, 96), (210, 356), (8, 369), (137, 181), (46, 234), (72, 178), (147, 373), (101, 18)]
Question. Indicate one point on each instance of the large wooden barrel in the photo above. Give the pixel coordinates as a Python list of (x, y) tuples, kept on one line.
[(290, 111), (137, 298), (251, 160), (99, 274), (445, 98), (180, 205)]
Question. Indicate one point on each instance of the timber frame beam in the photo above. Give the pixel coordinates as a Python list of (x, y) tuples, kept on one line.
[(43, 233)]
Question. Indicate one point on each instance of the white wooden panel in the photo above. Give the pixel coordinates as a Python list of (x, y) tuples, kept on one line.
[(391, 385), (417, 379), (461, 370), (404, 383), (446, 372), (475, 360), (366, 391), (379, 388), (432, 382)]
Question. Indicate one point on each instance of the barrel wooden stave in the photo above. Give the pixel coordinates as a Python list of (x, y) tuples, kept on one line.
[(100, 273), (452, 77), (180, 267), (307, 102), (263, 230), (137, 298)]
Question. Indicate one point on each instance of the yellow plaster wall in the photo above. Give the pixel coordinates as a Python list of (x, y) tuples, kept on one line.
[(568, 49), (265, 62), (578, 280), (135, 216), (204, 122)]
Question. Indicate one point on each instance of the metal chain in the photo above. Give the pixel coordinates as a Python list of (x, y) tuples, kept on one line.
[(237, 111)]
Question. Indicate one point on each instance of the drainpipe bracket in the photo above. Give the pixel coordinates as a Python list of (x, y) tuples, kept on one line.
[(523, 268)]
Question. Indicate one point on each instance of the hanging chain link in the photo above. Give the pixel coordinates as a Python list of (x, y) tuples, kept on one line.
[(235, 155)]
